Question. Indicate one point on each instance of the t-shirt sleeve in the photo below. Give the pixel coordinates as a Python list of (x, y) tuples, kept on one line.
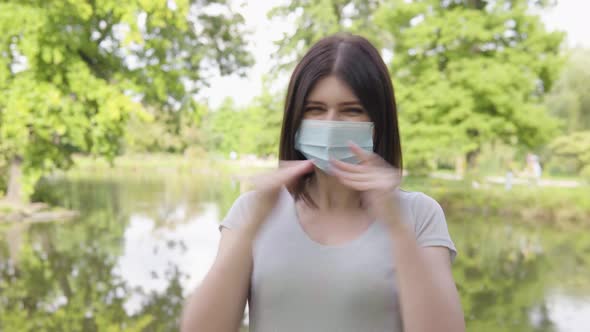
[(431, 225), (239, 211)]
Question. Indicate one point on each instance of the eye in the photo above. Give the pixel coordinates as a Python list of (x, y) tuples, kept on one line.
[(314, 109), (355, 111)]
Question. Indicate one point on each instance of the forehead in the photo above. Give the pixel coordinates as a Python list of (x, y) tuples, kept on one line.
[(331, 90)]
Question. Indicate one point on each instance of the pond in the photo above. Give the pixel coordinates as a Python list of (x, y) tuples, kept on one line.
[(142, 243)]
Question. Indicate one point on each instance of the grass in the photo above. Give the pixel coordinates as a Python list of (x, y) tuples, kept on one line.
[(6, 209), (147, 166), (563, 207)]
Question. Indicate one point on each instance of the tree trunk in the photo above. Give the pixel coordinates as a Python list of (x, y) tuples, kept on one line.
[(460, 166), (471, 158), (15, 193)]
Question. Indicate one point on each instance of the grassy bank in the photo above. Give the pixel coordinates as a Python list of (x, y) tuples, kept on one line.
[(161, 165), (562, 207)]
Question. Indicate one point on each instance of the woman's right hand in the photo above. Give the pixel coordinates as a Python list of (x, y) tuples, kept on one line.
[(267, 188)]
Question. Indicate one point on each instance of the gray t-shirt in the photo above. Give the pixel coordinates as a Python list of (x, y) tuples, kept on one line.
[(300, 285)]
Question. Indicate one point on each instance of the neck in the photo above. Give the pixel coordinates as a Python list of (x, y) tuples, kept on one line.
[(329, 194)]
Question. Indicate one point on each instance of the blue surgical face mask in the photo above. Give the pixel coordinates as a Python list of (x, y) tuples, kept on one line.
[(320, 140)]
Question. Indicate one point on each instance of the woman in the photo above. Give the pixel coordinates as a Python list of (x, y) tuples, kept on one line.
[(329, 242)]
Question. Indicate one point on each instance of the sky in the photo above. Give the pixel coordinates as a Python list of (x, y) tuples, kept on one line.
[(569, 16)]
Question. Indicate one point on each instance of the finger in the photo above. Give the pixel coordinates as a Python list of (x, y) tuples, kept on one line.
[(362, 155), (287, 174), (291, 170), (372, 184), (354, 168), (290, 163), (353, 175), (380, 180), (356, 185)]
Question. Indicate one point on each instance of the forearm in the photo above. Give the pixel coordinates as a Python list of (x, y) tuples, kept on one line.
[(427, 302), (218, 303)]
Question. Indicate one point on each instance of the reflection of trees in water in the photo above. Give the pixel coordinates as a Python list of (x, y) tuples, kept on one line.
[(65, 281), (67, 277), (504, 272), (166, 306)]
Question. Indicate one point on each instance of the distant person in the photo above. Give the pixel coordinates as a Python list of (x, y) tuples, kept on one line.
[(511, 172), (534, 169), (537, 170), (329, 242), (509, 178)]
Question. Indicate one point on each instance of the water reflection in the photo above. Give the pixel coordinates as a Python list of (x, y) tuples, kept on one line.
[(152, 253), (563, 312), (139, 247)]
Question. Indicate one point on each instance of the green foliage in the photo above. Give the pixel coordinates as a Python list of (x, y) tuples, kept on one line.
[(569, 99), (316, 19), (223, 126), (465, 72), (173, 132), (571, 153), (72, 72), (254, 129), (469, 72), (262, 125), (3, 170)]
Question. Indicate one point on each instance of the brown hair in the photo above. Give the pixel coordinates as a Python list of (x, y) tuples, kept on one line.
[(354, 60)]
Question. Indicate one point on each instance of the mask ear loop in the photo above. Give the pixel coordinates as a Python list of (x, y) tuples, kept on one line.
[(374, 137)]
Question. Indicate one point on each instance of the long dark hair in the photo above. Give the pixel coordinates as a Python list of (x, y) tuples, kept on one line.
[(354, 60)]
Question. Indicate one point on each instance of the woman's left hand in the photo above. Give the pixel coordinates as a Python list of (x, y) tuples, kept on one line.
[(377, 181)]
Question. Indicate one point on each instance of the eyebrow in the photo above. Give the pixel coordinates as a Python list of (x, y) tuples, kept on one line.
[(345, 103)]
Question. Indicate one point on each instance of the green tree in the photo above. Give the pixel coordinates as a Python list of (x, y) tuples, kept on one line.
[(262, 125), (571, 153), (72, 72), (169, 131), (252, 129), (316, 19), (469, 72), (569, 99), (222, 127), (465, 72)]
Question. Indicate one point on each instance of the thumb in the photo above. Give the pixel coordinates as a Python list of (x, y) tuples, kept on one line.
[(286, 173), (294, 170)]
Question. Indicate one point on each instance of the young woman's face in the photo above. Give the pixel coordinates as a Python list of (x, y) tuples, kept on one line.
[(331, 99)]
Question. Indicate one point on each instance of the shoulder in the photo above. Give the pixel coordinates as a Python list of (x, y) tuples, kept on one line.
[(245, 198), (421, 210), (418, 202), (428, 220), (238, 211), (249, 197), (243, 207)]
